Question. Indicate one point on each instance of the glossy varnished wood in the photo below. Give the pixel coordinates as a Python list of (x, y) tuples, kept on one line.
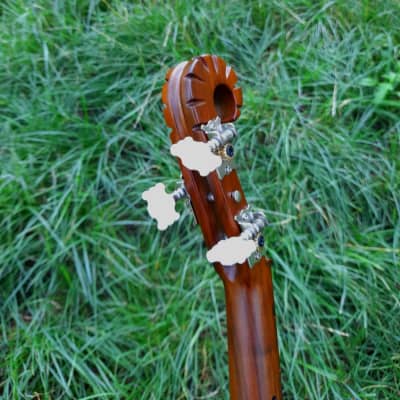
[(197, 91)]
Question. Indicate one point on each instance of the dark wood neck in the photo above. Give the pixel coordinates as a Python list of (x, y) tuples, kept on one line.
[(189, 96), (254, 372)]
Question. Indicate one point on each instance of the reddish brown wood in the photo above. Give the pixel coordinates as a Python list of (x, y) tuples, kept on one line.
[(197, 91)]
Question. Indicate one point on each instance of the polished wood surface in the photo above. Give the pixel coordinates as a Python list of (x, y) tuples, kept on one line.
[(197, 91)]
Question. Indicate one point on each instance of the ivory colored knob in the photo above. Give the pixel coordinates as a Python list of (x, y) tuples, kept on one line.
[(196, 155), (234, 250), (161, 206)]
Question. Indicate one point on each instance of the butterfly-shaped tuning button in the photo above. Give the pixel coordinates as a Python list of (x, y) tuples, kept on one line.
[(161, 205), (206, 157), (237, 249)]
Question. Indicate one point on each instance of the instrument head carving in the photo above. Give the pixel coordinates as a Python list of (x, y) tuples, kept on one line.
[(201, 102)]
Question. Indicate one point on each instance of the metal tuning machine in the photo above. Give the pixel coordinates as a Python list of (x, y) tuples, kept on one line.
[(248, 245), (161, 205), (205, 157), (220, 143)]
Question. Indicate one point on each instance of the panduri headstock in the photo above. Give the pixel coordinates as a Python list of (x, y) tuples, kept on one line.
[(201, 103)]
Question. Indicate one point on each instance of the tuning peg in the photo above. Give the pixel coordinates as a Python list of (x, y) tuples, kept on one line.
[(196, 155), (161, 205), (205, 157), (237, 249), (231, 251)]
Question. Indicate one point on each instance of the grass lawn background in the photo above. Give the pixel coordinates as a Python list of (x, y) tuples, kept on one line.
[(95, 303)]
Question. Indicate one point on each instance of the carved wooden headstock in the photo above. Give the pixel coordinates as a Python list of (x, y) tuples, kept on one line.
[(201, 102)]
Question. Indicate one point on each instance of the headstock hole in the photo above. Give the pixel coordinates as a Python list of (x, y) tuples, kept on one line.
[(224, 103)]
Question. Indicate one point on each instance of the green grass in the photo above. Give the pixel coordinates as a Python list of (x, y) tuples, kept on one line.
[(94, 302)]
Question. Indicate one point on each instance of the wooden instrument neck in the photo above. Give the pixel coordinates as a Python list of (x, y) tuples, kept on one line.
[(252, 340)]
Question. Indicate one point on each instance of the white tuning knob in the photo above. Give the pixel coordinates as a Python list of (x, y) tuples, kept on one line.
[(161, 205), (232, 251), (237, 249), (206, 157), (196, 155)]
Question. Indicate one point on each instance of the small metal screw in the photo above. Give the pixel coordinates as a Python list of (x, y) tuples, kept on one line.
[(260, 241), (210, 197), (228, 169), (228, 151), (236, 195)]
